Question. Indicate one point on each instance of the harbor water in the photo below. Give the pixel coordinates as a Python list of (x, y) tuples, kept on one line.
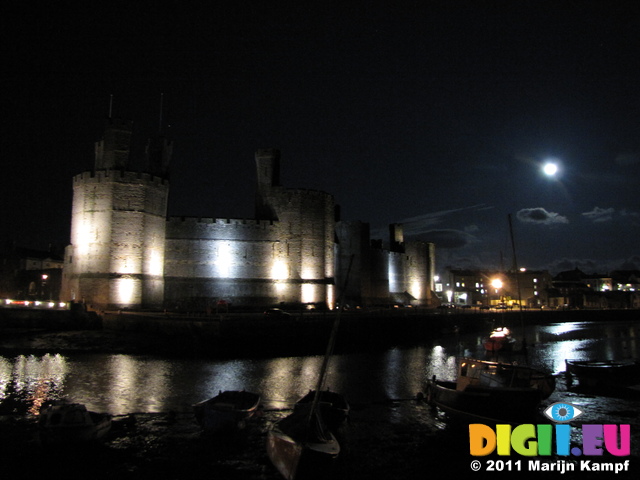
[(381, 385)]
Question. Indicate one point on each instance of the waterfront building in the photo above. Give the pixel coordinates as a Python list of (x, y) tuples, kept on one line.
[(496, 288)]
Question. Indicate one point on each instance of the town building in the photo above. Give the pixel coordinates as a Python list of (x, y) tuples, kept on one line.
[(29, 274), (528, 288)]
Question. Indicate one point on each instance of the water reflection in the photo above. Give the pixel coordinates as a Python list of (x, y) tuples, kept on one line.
[(28, 381), (121, 384)]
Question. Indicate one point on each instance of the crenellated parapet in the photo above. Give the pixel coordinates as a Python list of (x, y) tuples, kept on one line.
[(120, 176), (221, 228)]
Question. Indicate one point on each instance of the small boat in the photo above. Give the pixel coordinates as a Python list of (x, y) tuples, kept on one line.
[(301, 446), (492, 392), (71, 423), (500, 339), (333, 407), (226, 411), (611, 373), (500, 374)]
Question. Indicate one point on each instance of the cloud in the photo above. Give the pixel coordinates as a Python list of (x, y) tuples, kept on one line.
[(423, 223), (448, 238), (599, 215), (540, 216), (592, 266), (632, 217)]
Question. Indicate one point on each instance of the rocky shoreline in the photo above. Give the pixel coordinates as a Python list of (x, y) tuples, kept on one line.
[(395, 439), (390, 439)]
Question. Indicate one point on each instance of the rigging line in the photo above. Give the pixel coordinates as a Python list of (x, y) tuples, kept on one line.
[(330, 345)]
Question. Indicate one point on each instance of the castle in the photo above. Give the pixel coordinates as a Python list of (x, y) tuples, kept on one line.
[(126, 253)]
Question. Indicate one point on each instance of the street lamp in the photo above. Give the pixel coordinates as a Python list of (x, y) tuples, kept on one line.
[(497, 284)]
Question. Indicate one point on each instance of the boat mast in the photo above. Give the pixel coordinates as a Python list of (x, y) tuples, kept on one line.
[(517, 274), (330, 345)]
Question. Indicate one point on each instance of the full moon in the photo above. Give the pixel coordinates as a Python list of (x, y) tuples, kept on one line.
[(550, 169)]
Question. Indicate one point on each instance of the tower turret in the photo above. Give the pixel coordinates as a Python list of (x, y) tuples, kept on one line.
[(158, 156), (268, 176), (114, 150)]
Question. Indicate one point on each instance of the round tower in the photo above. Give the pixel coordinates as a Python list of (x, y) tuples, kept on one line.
[(118, 224)]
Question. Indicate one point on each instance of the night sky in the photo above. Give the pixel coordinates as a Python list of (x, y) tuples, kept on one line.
[(437, 115)]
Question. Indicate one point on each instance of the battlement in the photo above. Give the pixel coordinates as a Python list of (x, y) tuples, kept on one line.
[(179, 220), (120, 176), (307, 192)]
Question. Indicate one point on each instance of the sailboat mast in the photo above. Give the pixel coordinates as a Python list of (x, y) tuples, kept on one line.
[(330, 346), (516, 272)]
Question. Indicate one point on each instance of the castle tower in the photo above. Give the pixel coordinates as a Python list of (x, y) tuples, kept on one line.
[(304, 257), (268, 176), (118, 224), (113, 151)]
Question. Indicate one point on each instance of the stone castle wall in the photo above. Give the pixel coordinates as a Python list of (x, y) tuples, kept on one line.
[(264, 262), (116, 256), (125, 253)]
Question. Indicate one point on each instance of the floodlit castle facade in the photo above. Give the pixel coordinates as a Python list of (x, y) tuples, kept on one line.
[(126, 253)]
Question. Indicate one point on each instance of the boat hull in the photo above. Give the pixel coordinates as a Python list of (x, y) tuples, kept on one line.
[(226, 411), (300, 449), (485, 404), (333, 406), (609, 373), (500, 340), (72, 423)]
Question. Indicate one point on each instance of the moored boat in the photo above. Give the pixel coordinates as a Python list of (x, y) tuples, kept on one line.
[(492, 392), (612, 373), (63, 423), (301, 446), (500, 339), (506, 375), (226, 411), (333, 406)]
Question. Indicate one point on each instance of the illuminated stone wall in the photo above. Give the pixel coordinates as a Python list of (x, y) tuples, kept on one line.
[(379, 276), (125, 253), (353, 251), (254, 262), (419, 270), (116, 256)]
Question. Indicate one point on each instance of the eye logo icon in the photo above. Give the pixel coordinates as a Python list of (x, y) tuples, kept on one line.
[(562, 412)]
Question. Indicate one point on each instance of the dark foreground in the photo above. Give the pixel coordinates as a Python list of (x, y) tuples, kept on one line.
[(401, 439)]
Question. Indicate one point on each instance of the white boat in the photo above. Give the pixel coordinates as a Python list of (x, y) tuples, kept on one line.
[(300, 446), (492, 392), (226, 411), (72, 423)]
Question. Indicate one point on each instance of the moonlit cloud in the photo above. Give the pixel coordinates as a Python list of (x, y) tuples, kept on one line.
[(423, 223), (599, 215), (449, 238), (540, 215)]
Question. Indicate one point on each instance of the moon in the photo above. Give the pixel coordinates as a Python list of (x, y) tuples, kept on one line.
[(550, 169)]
